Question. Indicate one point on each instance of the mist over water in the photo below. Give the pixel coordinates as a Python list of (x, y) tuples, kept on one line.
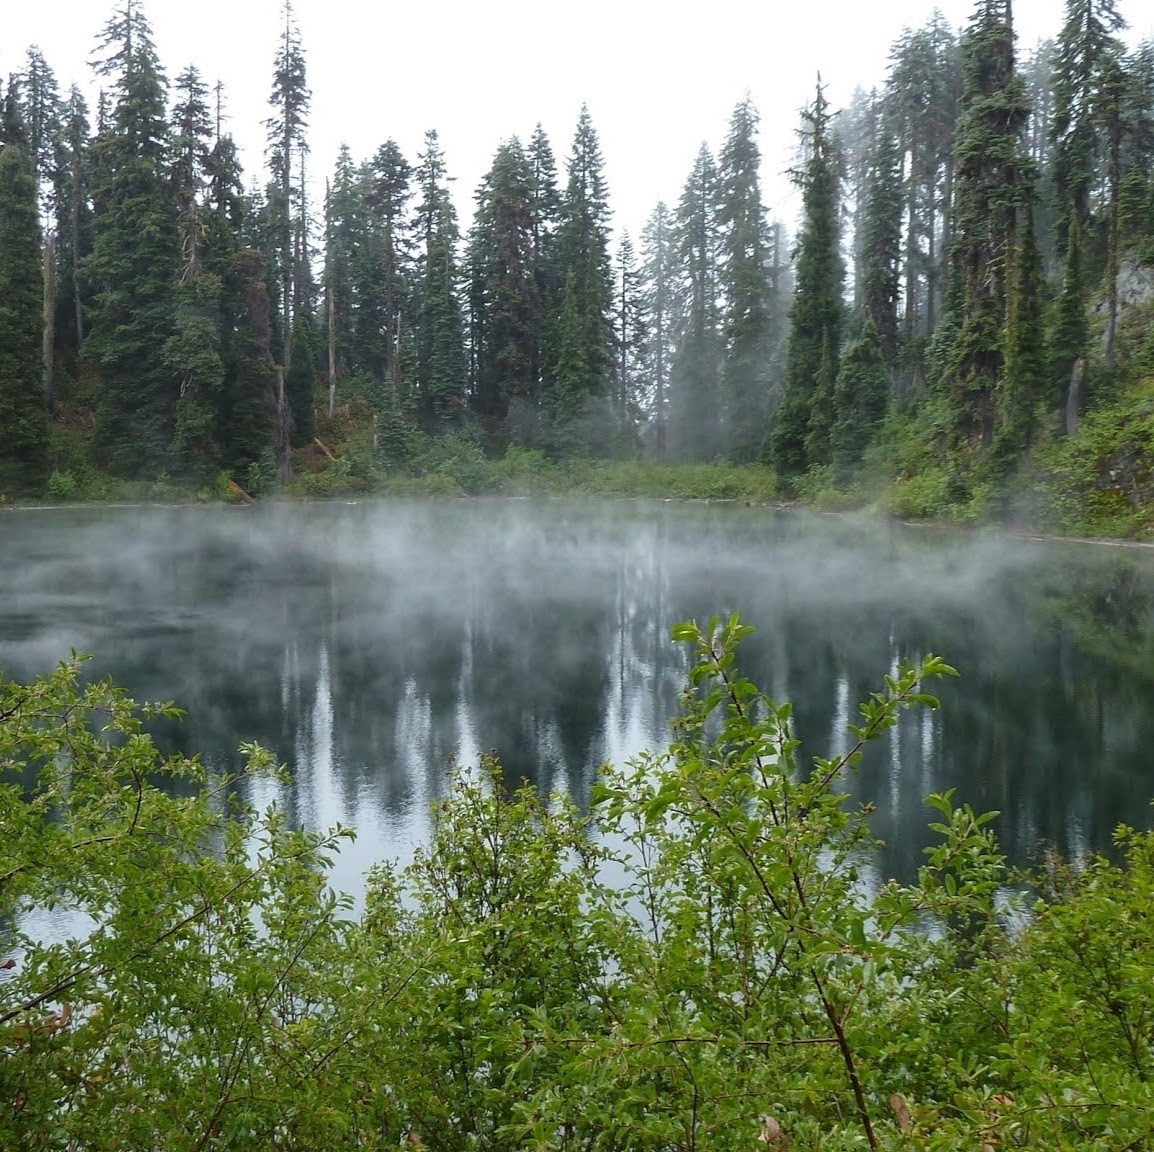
[(369, 645)]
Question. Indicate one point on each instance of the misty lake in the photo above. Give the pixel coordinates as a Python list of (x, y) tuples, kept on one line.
[(368, 645)]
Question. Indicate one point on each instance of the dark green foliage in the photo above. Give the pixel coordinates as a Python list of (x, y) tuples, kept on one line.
[(584, 344), (301, 378), (249, 398), (72, 192), (695, 398), (992, 186), (193, 354), (40, 110), (881, 239), (860, 397), (133, 266), (747, 325), (1024, 382), (506, 299), (1084, 48), (441, 371), (922, 107), (23, 409), (1069, 335), (804, 419), (285, 209), (382, 273), (630, 336), (659, 275)]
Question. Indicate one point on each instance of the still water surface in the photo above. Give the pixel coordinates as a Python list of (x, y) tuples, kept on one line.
[(369, 645)]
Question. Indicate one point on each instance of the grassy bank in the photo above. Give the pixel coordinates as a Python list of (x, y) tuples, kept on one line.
[(1098, 483)]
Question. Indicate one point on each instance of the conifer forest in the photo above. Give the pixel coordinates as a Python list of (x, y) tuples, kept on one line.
[(956, 326)]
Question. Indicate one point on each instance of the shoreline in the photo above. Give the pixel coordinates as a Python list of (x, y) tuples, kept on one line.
[(1024, 534)]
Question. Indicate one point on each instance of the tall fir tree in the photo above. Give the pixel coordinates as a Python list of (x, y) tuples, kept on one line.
[(880, 243), (344, 237), (287, 232), (695, 397), (545, 205), (630, 339), (861, 395), (506, 305), (72, 196), (581, 379), (133, 266), (23, 407), (1023, 390), (1068, 340), (384, 274), (800, 435), (993, 188), (1084, 48), (747, 323), (193, 352), (441, 371), (659, 272), (922, 104)]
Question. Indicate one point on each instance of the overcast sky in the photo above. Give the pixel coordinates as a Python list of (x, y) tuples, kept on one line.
[(659, 77)]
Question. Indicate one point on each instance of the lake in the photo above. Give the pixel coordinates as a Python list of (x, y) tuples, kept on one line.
[(369, 645)]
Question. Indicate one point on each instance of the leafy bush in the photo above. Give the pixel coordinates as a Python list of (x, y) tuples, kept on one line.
[(1101, 481), (739, 983), (62, 486)]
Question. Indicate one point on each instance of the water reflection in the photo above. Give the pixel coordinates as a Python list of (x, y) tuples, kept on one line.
[(369, 645)]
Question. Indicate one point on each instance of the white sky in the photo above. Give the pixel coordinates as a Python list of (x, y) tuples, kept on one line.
[(659, 76)]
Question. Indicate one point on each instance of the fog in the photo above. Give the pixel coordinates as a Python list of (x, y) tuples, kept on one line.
[(370, 644)]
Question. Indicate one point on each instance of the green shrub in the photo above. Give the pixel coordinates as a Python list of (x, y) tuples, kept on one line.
[(739, 982), (1101, 481), (62, 486)]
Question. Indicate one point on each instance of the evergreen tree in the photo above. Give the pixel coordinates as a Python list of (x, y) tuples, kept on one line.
[(816, 313), (13, 130), (1112, 123), (545, 205), (193, 352), (287, 228), (344, 236), (249, 413), (383, 274), (40, 113), (505, 298), (922, 99), (23, 411), (659, 278), (880, 245), (74, 224), (993, 186), (1069, 335), (695, 400), (630, 339), (307, 342), (135, 255), (582, 380), (441, 373), (1084, 49), (861, 394), (1024, 376), (745, 287), (567, 400)]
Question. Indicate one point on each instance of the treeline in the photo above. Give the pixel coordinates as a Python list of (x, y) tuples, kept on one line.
[(964, 232)]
